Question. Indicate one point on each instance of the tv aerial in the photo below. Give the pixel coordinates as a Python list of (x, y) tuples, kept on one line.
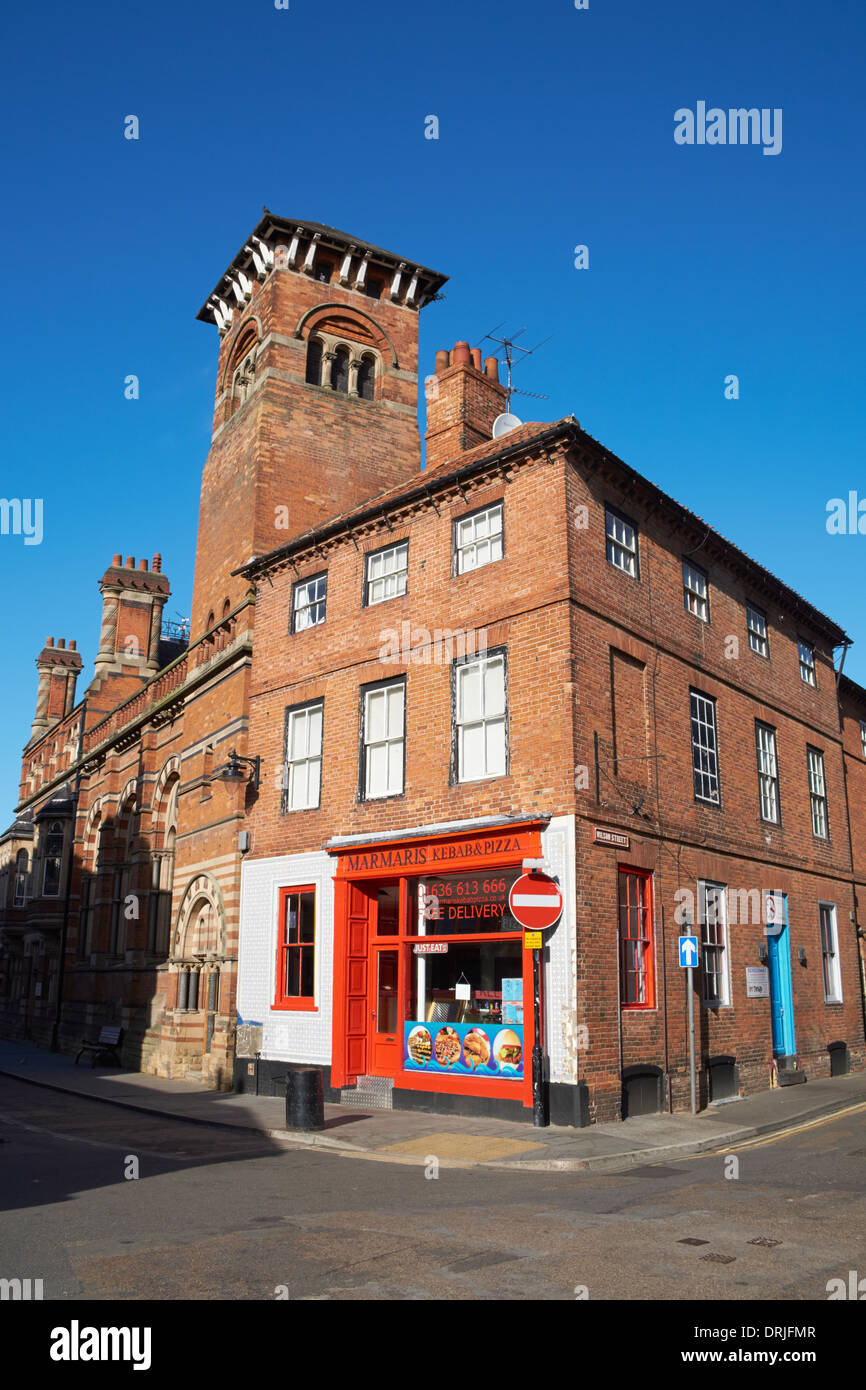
[(510, 345)]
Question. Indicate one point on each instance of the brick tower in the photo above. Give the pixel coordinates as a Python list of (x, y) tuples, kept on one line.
[(316, 394)]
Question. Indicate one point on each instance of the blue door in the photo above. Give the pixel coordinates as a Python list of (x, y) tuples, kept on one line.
[(781, 992)]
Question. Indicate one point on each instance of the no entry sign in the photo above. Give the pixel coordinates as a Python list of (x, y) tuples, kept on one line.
[(535, 902)]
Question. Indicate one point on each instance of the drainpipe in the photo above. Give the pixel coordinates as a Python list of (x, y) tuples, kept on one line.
[(64, 930)]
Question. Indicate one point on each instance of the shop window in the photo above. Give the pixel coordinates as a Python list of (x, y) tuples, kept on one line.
[(479, 723), (386, 574), (382, 740), (53, 861), (637, 985), (296, 949), (303, 756), (456, 903), (478, 539), (309, 599)]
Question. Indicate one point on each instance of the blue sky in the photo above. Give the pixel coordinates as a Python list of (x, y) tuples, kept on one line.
[(556, 129)]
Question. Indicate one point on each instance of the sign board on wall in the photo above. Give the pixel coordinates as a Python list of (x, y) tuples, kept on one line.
[(757, 982), (611, 837)]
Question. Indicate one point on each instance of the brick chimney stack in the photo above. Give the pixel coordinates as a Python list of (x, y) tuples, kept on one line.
[(58, 668), (462, 402), (133, 598)]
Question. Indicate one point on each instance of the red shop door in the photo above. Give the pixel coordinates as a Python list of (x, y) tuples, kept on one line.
[(361, 905), (384, 1011)]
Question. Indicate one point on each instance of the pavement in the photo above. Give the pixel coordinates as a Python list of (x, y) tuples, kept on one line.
[(400, 1136)]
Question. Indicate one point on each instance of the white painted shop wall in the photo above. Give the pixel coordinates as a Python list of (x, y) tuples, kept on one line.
[(306, 1037), (560, 1019), (287, 1037)]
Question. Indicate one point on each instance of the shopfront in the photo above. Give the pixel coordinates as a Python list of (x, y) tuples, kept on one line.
[(432, 984)]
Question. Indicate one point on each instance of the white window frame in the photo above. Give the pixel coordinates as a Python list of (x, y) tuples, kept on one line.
[(696, 591), (476, 531), (620, 542), (818, 794), (756, 625), (705, 753), (831, 968), (390, 580), (393, 739), (768, 773), (491, 727), (304, 772), (717, 895), (806, 657), (308, 601)]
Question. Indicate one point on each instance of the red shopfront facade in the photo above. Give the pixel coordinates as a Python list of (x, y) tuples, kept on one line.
[(432, 983)]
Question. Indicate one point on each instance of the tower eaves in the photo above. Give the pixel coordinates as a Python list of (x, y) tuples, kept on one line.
[(250, 263)]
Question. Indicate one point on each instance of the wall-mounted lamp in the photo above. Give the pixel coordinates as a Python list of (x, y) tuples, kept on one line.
[(762, 952), (235, 769), (801, 954)]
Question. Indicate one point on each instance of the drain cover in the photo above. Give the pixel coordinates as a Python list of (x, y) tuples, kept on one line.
[(766, 1241), (692, 1240), (719, 1259)]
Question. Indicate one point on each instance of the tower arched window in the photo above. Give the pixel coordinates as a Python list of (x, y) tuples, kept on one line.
[(53, 860), (340, 371), (367, 377), (314, 362), (245, 377)]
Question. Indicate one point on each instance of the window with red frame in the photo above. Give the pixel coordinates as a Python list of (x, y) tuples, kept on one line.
[(296, 948), (636, 939)]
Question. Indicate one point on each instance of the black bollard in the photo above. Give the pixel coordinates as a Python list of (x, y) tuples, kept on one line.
[(305, 1106)]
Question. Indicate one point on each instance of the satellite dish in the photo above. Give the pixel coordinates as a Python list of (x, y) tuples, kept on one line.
[(505, 423)]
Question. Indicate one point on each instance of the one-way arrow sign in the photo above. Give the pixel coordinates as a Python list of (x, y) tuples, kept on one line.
[(688, 950)]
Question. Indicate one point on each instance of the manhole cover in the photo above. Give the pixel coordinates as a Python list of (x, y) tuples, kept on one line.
[(719, 1259), (692, 1240), (766, 1241)]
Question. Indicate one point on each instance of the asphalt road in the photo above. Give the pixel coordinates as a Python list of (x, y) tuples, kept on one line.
[(219, 1215)]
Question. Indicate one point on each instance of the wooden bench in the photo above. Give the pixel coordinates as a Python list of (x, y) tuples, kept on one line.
[(109, 1040)]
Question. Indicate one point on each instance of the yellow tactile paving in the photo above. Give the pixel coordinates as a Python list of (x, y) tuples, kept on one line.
[(476, 1146)]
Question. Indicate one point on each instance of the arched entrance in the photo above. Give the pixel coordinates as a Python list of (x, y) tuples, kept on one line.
[(198, 954)]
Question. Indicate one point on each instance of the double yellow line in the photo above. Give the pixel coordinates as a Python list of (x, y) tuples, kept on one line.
[(780, 1134)]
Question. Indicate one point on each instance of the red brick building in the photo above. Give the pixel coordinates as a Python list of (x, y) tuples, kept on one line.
[(524, 651)]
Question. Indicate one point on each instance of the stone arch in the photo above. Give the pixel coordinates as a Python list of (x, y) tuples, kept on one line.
[(168, 770), (241, 346), (339, 320), (200, 925)]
